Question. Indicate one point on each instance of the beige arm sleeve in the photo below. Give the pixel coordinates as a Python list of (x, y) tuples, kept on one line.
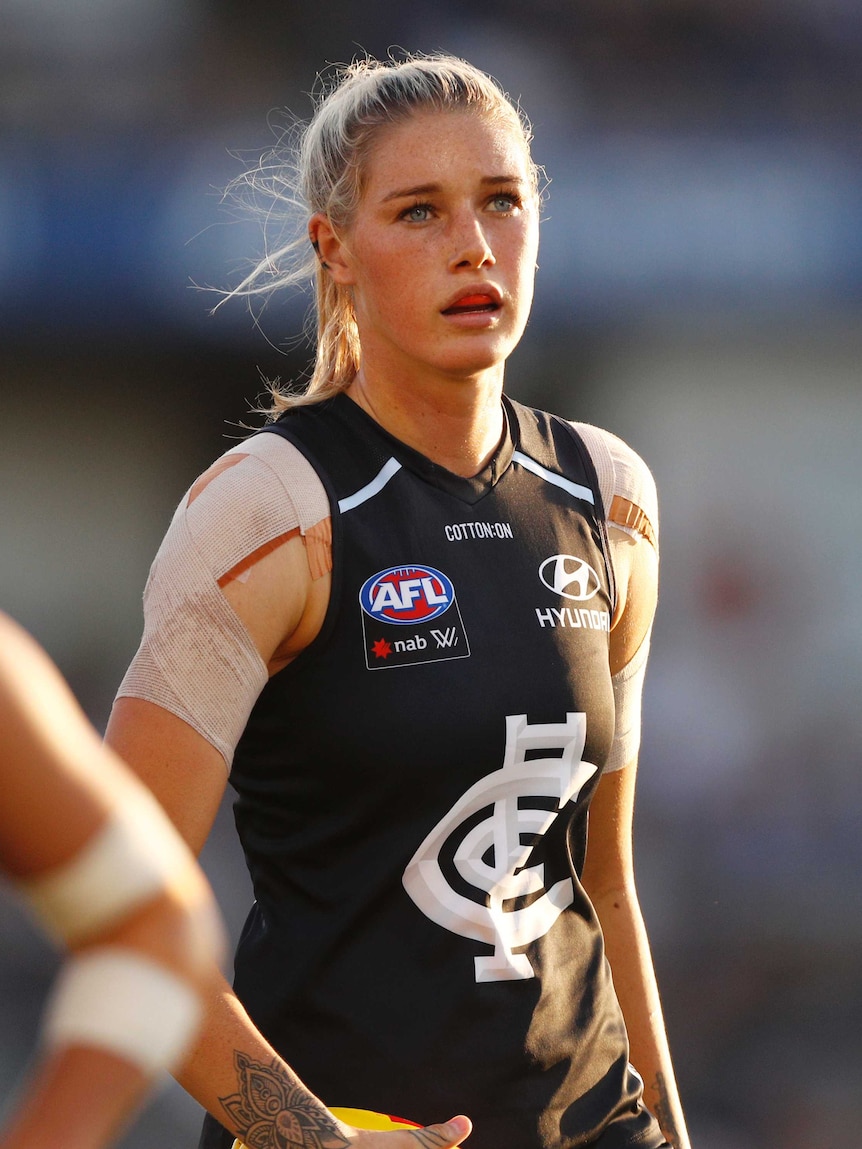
[(629, 496), (196, 658)]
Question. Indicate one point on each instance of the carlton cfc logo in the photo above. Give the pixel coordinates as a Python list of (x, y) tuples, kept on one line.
[(407, 595)]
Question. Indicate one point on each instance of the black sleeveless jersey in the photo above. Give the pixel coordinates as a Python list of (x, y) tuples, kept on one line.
[(413, 794)]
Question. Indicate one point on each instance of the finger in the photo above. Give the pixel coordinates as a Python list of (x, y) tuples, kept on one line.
[(443, 1136)]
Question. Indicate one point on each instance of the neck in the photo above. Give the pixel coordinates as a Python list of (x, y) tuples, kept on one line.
[(457, 424)]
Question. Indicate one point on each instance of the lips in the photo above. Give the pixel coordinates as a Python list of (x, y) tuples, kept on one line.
[(473, 302)]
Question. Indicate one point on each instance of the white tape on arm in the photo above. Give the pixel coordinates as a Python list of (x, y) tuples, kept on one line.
[(128, 861), (117, 1000), (625, 482), (628, 685)]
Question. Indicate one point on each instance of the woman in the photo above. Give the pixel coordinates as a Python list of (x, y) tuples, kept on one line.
[(108, 876), (404, 620)]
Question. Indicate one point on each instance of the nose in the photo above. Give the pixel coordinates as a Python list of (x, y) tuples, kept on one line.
[(470, 246)]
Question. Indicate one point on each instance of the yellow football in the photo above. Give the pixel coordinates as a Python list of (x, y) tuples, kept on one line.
[(368, 1119), (362, 1119)]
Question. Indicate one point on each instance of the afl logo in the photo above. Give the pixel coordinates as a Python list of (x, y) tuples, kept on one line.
[(570, 577), (407, 595)]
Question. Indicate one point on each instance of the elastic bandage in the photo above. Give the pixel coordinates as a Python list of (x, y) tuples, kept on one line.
[(197, 660), (134, 856), (117, 1000)]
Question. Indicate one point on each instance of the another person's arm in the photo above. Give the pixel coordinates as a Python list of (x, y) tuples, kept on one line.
[(110, 879)]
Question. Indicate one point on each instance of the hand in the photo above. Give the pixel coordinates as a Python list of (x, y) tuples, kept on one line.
[(444, 1136)]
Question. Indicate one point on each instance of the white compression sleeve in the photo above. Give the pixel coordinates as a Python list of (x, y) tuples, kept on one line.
[(196, 658), (127, 862), (623, 474), (116, 999)]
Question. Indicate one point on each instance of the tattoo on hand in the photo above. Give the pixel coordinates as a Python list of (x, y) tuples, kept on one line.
[(427, 1139), (272, 1111)]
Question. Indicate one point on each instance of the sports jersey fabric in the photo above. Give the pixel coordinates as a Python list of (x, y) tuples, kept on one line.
[(413, 793)]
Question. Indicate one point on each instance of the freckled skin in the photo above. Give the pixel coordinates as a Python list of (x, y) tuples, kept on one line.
[(405, 257)]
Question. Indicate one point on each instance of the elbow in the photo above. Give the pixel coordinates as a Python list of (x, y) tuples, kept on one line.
[(614, 901), (180, 928)]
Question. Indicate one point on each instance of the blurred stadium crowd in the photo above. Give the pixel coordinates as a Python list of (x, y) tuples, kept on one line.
[(700, 294)]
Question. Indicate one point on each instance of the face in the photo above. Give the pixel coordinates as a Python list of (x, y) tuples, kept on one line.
[(441, 254)]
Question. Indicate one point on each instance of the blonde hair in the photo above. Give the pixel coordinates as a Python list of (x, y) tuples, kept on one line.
[(322, 169)]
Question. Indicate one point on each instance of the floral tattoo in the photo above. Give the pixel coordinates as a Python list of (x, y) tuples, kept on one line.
[(272, 1111)]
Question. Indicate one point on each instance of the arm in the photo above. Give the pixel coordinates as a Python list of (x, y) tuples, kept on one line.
[(188, 776), (67, 799), (609, 880), (609, 870), (233, 1071)]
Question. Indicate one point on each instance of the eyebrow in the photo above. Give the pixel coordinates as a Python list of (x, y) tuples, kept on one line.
[(429, 189)]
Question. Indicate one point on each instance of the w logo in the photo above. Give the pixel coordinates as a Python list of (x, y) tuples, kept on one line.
[(445, 638), (489, 836)]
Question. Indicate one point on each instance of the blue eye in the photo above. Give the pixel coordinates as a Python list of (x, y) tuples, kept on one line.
[(505, 202), (417, 213)]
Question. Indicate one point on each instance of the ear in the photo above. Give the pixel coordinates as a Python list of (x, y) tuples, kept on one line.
[(331, 249)]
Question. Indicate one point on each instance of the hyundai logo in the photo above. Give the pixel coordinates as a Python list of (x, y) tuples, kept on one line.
[(570, 577)]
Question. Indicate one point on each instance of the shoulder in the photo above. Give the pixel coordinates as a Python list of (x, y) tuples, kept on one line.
[(626, 483), (260, 473), (252, 495)]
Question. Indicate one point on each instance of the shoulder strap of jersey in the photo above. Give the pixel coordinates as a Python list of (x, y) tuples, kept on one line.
[(601, 510), (545, 434)]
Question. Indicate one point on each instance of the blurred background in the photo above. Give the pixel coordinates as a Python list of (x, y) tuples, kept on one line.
[(700, 294)]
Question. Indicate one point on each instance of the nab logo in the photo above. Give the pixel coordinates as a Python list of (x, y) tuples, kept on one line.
[(570, 577), (407, 595)]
